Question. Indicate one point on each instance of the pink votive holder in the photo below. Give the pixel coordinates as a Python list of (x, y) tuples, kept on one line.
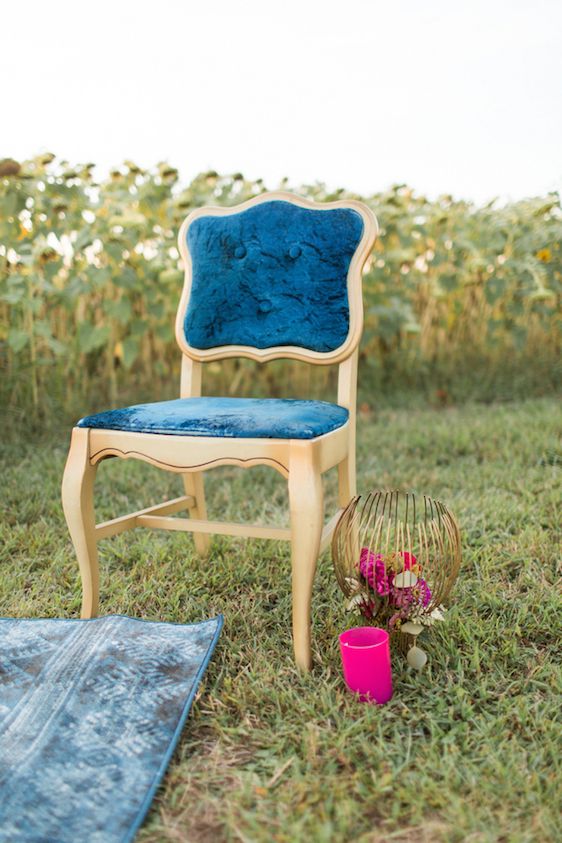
[(365, 655)]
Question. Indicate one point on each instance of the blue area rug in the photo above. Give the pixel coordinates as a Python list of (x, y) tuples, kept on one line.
[(90, 714)]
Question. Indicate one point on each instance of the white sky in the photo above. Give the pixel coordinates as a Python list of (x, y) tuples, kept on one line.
[(461, 97)]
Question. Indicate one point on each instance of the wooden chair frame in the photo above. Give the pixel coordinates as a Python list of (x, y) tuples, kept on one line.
[(301, 461)]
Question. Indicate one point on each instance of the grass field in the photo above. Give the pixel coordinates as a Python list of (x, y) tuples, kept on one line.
[(466, 751)]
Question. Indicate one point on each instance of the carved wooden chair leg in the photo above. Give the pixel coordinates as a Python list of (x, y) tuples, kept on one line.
[(347, 397), (347, 489), (307, 516), (78, 506), (194, 485), (346, 480)]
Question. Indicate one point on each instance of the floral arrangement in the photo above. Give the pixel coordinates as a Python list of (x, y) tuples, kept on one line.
[(380, 576), (392, 587)]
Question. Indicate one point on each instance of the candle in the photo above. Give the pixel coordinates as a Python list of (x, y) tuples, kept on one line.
[(365, 654)]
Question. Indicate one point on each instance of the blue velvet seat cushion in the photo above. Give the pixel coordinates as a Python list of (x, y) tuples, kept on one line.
[(262, 418), (274, 274)]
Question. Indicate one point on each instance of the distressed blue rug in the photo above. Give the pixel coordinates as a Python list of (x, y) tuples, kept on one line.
[(90, 714)]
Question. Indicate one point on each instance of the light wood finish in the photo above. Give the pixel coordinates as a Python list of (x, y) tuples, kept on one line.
[(78, 506), (328, 531), (188, 454), (127, 522), (221, 528), (301, 462), (193, 483), (347, 397), (307, 515)]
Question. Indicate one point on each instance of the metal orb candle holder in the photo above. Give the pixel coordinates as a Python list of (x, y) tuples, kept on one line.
[(396, 558)]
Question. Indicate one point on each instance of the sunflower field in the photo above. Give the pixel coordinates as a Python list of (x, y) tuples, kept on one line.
[(461, 302)]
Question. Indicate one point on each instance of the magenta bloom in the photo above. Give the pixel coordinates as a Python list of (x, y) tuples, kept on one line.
[(373, 570), (425, 592), (404, 600)]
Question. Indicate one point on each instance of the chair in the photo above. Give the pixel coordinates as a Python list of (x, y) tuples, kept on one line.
[(277, 276)]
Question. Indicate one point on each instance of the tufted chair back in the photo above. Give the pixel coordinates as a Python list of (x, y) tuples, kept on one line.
[(279, 278)]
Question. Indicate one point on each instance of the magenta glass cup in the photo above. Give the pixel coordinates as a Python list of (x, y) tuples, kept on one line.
[(365, 655)]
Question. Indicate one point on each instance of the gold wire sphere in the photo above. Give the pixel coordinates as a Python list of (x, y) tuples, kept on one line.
[(396, 558)]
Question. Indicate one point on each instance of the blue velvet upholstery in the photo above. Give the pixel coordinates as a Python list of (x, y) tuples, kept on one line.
[(261, 418), (274, 274)]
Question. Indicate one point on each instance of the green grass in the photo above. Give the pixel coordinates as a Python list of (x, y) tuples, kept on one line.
[(466, 751)]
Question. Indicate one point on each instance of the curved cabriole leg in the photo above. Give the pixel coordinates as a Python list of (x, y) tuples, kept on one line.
[(307, 516), (193, 485), (78, 506)]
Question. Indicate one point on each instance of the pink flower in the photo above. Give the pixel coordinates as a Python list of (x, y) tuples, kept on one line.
[(373, 570), (405, 598)]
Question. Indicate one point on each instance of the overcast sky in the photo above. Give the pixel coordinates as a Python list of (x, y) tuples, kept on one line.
[(447, 96)]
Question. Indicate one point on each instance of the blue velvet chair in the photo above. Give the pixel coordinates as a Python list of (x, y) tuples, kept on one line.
[(278, 276)]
